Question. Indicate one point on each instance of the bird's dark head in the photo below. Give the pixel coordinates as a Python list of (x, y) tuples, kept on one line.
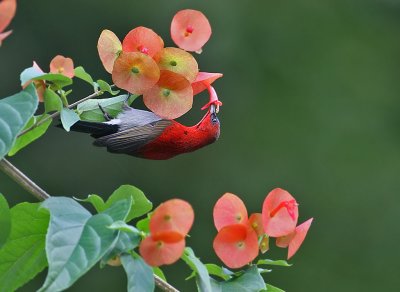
[(214, 109)]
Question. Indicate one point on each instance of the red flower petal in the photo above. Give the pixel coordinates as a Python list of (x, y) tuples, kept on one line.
[(7, 13), (236, 245), (178, 61), (190, 30), (171, 97), (62, 65), (168, 236), (157, 252), (280, 213), (255, 221), (284, 241), (109, 48), (173, 215), (299, 236), (144, 40), (135, 72), (229, 210), (203, 80)]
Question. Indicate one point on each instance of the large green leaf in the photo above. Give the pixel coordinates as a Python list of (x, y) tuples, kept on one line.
[(140, 204), (89, 110), (52, 101), (82, 74), (202, 276), (23, 256), (32, 135), (140, 275), (58, 80), (217, 271), (76, 240), (68, 118), (249, 281), (5, 220), (15, 112)]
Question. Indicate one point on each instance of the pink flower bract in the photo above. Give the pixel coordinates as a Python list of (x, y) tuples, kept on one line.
[(229, 210), (298, 238), (109, 48), (7, 13), (203, 80), (190, 30), (158, 252), (144, 40), (62, 65)]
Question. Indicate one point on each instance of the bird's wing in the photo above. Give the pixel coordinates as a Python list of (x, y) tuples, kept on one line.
[(131, 117), (130, 140)]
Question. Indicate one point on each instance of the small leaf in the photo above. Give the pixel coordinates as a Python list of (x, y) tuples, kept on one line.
[(125, 244), (96, 201), (157, 271), (132, 98), (140, 275), (15, 112), (32, 135), (76, 240), (58, 80), (140, 204), (202, 276), (281, 263), (144, 225), (23, 256), (271, 288), (82, 74), (217, 271), (122, 226), (30, 73), (104, 86), (90, 111), (5, 220), (52, 102), (68, 118)]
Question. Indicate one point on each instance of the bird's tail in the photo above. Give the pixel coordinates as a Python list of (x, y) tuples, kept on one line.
[(95, 129)]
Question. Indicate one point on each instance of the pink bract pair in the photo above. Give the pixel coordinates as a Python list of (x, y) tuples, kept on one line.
[(240, 237)]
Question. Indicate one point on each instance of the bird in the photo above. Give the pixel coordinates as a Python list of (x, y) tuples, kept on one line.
[(144, 134)]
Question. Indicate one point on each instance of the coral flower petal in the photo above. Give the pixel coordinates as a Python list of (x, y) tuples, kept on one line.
[(279, 213), (173, 215), (284, 241), (178, 61), (7, 13), (236, 245), (144, 40), (229, 210), (168, 236), (135, 72), (4, 35), (157, 252), (109, 48), (299, 236), (255, 221), (62, 65), (171, 97), (203, 80), (190, 30)]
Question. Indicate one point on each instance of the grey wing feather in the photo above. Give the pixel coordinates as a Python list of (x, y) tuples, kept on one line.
[(130, 140), (131, 117)]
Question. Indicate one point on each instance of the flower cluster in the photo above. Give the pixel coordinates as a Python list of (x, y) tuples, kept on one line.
[(167, 77), (7, 13), (240, 237), (169, 225)]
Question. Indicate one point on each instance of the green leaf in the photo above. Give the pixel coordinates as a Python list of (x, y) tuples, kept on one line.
[(104, 86), (89, 110), (249, 281), (271, 288), (5, 220), (217, 271), (96, 201), (281, 263), (132, 98), (157, 271), (68, 118), (15, 112), (58, 80), (202, 276), (144, 224), (76, 240), (122, 226), (23, 256), (140, 204), (32, 135), (82, 74), (30, 73), (52, 102), (140, 275)]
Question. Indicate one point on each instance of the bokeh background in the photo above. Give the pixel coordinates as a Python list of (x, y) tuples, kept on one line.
[(311, 104)]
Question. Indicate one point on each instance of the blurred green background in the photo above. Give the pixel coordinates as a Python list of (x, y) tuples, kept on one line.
[(311, 104)]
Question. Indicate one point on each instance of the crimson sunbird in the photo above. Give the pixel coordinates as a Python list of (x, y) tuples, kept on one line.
[(143, 134)]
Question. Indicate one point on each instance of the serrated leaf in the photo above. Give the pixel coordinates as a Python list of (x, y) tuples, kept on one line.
[(202, 276), (5, 220), (104, 86), (281, 263), (140, 275), (32, 135), (23, 256), (270, 288), (249, 281), (58, 80), (52, 102), (15, 112), (90, 111), (96, 201), (217, 271), (82, 74), (76, 240), (68, 118), (140, 204)]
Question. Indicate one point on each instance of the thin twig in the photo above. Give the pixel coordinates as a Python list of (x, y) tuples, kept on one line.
[(20, 178)]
